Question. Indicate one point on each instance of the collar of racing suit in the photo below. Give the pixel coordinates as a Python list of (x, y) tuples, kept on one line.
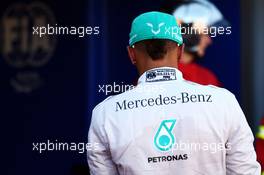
[(160, 74)]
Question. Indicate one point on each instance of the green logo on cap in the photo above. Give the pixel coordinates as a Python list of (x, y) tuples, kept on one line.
[(164, 139)]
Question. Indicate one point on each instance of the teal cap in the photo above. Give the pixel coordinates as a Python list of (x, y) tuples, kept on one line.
[(155, 25)]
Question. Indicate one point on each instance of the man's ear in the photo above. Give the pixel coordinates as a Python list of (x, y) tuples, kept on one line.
[(181, 50), (131, 54)]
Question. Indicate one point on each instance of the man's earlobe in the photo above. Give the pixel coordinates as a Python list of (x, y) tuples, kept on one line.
[(131, 54), (181, 50)]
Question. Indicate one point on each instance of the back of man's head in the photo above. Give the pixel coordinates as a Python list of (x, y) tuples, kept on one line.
[(156, 49), (154, 41)]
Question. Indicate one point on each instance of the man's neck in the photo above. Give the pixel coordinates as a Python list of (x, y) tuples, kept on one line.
[(158, 63)]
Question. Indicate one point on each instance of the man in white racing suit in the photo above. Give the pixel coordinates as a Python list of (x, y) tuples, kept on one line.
[(167, 125)]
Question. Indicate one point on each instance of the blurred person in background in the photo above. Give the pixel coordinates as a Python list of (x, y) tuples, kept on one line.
[(260, 144), (196, 18)]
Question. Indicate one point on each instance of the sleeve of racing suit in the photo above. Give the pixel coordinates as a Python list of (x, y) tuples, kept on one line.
[(99, 158), (241, 155)]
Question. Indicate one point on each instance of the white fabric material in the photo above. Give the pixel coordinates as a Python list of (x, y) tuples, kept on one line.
[(124, 128)]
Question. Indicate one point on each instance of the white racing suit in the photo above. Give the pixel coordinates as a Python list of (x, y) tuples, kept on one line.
[(167, 125)]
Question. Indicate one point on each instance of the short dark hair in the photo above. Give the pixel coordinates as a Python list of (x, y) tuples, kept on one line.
[(156, 48)]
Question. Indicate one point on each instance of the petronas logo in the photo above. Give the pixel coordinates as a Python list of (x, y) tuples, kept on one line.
[(164, 139)]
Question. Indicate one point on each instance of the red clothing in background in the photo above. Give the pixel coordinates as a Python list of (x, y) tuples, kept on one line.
[(198, 74), (260, 144)]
